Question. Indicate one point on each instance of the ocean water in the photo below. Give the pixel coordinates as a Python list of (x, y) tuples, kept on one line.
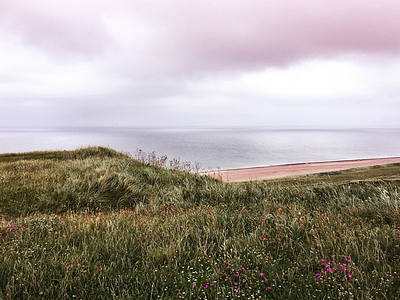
[(223, 148)]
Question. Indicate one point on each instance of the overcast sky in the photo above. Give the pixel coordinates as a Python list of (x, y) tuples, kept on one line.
[(200, 63)]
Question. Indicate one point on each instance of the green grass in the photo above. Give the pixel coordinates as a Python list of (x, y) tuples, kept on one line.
[(96, 224), (381, 173)]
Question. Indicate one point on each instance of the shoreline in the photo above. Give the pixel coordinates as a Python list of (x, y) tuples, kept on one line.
[(277, 171)]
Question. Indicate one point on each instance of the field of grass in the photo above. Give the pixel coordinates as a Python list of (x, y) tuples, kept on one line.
[(97, 224)]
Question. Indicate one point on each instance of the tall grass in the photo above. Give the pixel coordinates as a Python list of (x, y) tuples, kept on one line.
[(97, 224)]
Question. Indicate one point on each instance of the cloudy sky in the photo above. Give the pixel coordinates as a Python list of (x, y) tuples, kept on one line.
[(200, 63)]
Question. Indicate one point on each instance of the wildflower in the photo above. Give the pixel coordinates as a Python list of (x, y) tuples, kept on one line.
[(235, 283), (280, 209), (266, 280), (269, 288), (193, 285), (261, 274), (350, 275), (219, 270), (206, 285)]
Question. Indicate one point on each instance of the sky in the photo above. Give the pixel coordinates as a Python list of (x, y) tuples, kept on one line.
[(285, 63)]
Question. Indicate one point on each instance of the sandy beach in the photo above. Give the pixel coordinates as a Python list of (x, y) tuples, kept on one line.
[(276, 171)]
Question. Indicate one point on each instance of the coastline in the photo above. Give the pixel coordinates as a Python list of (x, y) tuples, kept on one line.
[(276, 171)]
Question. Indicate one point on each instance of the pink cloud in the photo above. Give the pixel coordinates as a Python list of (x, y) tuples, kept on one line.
[(224, 34), (240, 34), (55, 27)]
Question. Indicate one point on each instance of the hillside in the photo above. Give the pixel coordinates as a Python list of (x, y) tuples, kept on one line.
[(96, 224)]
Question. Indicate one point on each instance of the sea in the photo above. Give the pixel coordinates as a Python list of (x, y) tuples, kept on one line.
[(215, 148)]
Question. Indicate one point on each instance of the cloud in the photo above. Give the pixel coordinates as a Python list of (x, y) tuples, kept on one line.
[(255, 34), (183, 62), (62, 28)]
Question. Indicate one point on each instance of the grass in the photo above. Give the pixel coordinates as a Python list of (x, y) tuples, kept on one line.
[(380, 173), (97, 224)]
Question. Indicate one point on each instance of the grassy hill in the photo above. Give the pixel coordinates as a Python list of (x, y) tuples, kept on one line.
[(96, 224)]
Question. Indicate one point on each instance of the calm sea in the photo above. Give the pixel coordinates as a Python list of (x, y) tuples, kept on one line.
[(216, 147)]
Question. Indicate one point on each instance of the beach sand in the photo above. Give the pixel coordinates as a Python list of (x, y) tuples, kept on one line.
[(276, 171)]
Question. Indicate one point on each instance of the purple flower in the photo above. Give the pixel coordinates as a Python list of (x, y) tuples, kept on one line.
[(269, 288), (235, 283), (350, 275), (261, 274)]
